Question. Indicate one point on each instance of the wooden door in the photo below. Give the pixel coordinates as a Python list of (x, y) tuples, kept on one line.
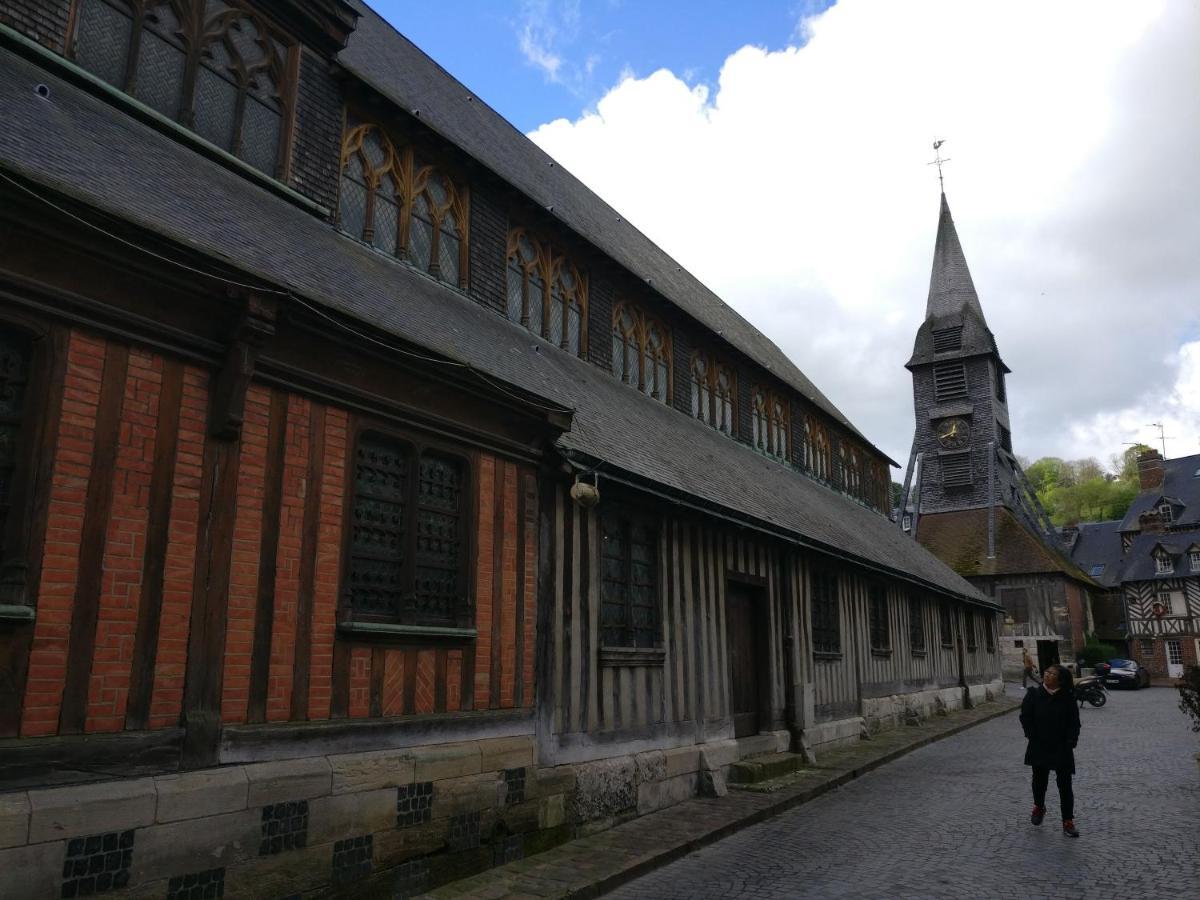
[(741, 622)]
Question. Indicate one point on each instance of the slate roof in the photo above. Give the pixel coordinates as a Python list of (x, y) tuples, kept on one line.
[(400, 71), (952, 300), (1181, 481), (1140, 564), (1099, 544), (960, 538), (79, 146)]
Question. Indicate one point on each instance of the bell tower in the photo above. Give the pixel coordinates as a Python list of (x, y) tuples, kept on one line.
[(958, 389)]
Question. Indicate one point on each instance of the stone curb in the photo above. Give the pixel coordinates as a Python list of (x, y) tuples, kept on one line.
[(784, 801)]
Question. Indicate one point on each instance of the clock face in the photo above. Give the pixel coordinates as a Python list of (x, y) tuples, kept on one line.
[(953, 434)]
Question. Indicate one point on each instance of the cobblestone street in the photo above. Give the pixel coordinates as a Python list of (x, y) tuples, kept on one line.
[(951, 820)]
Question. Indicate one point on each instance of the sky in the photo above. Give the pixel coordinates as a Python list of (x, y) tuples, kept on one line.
[(780, 150)]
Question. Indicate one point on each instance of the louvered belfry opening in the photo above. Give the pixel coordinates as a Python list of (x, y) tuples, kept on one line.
[(946, 340), (949, 381), (956, 470)]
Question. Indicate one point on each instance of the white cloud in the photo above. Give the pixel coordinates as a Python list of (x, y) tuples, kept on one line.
[(797, 188), (544, 27)]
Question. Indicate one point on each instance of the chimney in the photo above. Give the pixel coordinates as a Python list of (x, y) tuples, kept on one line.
[(1150, 470), (1151, 522), (1069, 535)]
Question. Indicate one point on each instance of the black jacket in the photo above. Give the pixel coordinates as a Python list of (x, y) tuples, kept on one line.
[(1051, 723)]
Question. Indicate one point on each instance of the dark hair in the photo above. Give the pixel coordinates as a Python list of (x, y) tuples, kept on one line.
[(1066, 682)]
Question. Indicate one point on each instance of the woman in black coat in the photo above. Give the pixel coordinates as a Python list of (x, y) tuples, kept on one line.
[(1050, 720)]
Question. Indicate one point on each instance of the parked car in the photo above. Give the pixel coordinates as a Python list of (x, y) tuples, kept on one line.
[(1124, 673)]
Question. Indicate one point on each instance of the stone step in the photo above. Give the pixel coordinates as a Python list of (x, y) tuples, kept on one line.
[(754, 769)]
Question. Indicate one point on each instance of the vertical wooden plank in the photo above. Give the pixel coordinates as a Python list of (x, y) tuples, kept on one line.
[(668, 625), (425, 678), (583, 623), (339, 706), (592, 648), (554, 636), (360, 681), (497, 670), (519, 608), (264, 616), (608, 695), (454, 660), (410, 682), (696, 604), (16, 645), (327, 574), (535, 574), (719, 634), (86, 609), (627, 698), (566, 687), (485, 611), (308, 564), (145, 642), (378, 668)]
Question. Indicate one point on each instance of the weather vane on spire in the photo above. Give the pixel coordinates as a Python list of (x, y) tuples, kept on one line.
[(938, 161)]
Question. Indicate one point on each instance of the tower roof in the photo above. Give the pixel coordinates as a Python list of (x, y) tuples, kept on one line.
[(950, 287), (953, 302)]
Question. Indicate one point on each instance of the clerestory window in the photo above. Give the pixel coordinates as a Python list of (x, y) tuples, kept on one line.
[(546, 292), (641, 351), (714, 393), (402, 206), (770, 423), (217, 68)]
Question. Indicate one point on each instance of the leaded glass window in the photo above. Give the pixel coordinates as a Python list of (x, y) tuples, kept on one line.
[(546, 292), (946, 623), (212, 66), (916, 625), (969, 627), (770, 423), (641, 351), (401, 207), (989, 633), (714, 393), (629, 615), (14, 389), (826, 613), (407, 557), (877, 613)]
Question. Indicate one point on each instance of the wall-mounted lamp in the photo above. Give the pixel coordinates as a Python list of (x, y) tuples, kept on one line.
[(584, 494)]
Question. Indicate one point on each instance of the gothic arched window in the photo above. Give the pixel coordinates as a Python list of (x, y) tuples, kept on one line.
[(215, 67), (396, 204), (714, 393), (641, 351), (819, 448), (853, 474), (546, 292), (770, 423)]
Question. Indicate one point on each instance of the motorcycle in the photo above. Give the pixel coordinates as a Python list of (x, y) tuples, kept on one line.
[(1091, 689)]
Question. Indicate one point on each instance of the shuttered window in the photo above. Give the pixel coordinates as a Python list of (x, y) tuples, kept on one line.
[(947, 339), (956, 470), (881, 634), (949, 381), (826, 615), (916, 625), (629, 611), (407, 545), (947, 624)]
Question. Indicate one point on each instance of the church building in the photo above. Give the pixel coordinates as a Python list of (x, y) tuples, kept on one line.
[(965, 496), (377, 504)]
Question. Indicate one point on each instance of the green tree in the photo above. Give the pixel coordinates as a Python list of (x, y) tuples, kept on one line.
[(1074, 491)]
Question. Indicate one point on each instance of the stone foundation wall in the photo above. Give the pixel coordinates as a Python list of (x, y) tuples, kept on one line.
[(392, 822)]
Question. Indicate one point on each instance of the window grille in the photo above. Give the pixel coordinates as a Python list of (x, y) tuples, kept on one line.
[(949, 381), (1165, 600), (714, 393), (826, 613), (881, 637), (946, 623), (769, 419), (1147, 648), (969, 627), (641, 351), (1163, 564), (14, 388), (1194, 558), (546, 292), (407, 556), (989, 633), (947, 339), (402, 206), (629, 579), (956, 470), (214, 67), (916, 624)]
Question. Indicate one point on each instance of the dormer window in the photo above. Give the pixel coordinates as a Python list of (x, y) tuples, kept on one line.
[(1163, 564), (216, 68), (1165, 512), (1096, 570), (1194, 560)]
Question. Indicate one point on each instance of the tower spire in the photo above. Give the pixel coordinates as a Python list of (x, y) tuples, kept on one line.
[(951, 289)]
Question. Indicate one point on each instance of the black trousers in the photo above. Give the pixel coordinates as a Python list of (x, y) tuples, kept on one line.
[(1066, 797)]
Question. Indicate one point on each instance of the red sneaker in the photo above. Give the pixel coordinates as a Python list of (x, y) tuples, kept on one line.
[(1069, 828), (1039, 813)]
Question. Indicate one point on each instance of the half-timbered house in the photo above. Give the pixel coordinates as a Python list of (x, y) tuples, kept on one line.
[(378, 504)]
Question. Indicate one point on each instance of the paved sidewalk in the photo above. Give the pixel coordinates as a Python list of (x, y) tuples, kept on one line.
[(591, 866)]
